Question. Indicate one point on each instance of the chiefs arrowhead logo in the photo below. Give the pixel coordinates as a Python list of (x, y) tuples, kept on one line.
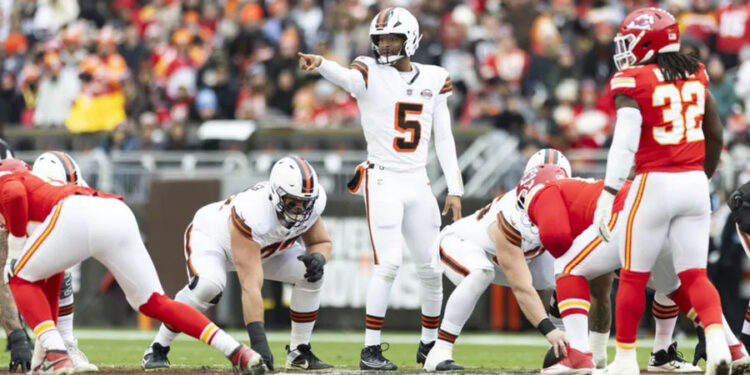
[(642, 22)]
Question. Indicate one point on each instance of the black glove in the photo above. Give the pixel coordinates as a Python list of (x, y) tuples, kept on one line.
[(20, 351), (314, 263), (259, 342), (739, 203), (700, 347)]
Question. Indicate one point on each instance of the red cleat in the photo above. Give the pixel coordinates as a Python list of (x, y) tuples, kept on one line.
[(55, 362), (247, 361), (575, 363)]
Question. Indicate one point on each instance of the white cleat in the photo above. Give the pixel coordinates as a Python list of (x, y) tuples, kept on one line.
[(437, 356), (623, 367), (80, 362), (740, 359), (38, 355), (670, 360)]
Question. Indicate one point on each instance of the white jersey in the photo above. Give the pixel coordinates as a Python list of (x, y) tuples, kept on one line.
[(253, 215), (397, 110), (513, 222)]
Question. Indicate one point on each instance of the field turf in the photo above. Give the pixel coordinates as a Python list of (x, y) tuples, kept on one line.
[(121, 350)]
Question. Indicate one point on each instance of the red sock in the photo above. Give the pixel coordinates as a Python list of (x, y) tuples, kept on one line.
[(703, 296), (571, 288), (51, 288), (629, 305), (31, 300), (682, 300), (177, 315)]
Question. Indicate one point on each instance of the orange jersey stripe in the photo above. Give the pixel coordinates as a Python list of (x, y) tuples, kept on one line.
[(239, 223), (34, 247), (369, 224), (631, 218), (509, 232), (453, 264)]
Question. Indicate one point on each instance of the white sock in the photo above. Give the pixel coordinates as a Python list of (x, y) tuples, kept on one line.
[(576, 331), (304, 311), (378, 295), (598, 344), (728, 334), (665, 313), (47, 333), (220, 340), (462, 301), (431, 299), (165, 336), (625, 354)]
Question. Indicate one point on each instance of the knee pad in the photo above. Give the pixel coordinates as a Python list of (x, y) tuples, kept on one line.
[(385, 271), (482, 275), (201, 292)]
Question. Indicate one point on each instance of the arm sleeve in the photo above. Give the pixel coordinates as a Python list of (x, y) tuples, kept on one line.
[(445, 147), (625, 142), (354, 80), (15, 207), (554, 229)]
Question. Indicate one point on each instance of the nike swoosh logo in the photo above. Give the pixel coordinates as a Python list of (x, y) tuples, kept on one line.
[(374, 364)]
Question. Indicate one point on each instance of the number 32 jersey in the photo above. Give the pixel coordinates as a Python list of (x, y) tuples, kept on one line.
[(672, 129), (397, 110)]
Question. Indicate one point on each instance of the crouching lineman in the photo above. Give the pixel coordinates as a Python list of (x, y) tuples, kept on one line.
[(255, 232), (59, 168), (494, 245), (78, 223), (563, 212)]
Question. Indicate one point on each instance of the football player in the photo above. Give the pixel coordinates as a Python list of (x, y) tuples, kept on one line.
[(739, 203), (496, 244), (78, 223), (270, 231), (668, 126), (59, 168), (18, 340), (402, 103)]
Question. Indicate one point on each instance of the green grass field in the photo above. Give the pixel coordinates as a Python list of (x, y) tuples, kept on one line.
[(121, 351)]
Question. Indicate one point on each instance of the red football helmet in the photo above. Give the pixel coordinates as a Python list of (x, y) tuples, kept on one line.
[(13, 165), (537, 176), (644, 33)]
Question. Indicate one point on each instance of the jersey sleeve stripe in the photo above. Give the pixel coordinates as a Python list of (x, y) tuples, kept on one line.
[(239, 223), (362, 69), (509, 232), (625, 82), (446, 89)]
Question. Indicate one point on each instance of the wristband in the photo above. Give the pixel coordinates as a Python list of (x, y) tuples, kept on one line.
[(545, 326)]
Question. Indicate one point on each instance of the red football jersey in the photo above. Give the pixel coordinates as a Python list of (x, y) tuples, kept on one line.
[(672, 130), (26, 198), (563, 209)]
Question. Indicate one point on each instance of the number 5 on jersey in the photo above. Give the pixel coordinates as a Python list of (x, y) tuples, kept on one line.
[(411, 129)]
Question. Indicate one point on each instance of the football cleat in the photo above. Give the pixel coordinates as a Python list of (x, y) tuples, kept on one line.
[(670, 360), (80, 362), (155, 357), (623, 367), (372, 358), (719, 358), (740, 359), (423, 351), (247, 361), (448, 365), (575, 363), (55, 362), (302, 357)]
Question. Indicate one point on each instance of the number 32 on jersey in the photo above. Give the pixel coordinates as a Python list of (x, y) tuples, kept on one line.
[(410, 129), (682, 113)]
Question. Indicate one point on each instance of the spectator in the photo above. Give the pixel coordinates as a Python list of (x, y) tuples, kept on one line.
[(206, 104), (132, 49), (58, 88), (733, 19), (721, 86), (11, 100), (309, 18), (742, 87)]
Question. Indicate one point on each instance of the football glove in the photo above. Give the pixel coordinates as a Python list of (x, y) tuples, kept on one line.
[(314, 263), (259, 342)]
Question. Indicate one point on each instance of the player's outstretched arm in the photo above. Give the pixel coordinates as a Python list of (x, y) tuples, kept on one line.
[(712, 132), (318, 245), (350, 80), (445, 147), (511, 260)]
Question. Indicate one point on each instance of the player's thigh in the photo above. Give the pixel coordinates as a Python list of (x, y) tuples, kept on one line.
[(689, 229), (643, 224), (459, 257), (384, 207), (589, 256), (206, 261), (421, 225), (285, 266), (543, 272), (59, 242)]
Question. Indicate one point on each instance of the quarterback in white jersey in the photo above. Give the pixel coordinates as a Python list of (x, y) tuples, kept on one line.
[(497, 244), (402, 104), (272, 231)]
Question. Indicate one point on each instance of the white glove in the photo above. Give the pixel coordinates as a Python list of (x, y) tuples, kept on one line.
[(603, 214)]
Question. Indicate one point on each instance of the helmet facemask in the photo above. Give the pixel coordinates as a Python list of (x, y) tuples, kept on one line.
[(293, 210), (624, 44), (389, 55)]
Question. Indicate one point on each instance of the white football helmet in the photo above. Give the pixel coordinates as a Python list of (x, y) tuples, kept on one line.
[(294, 189), (395, 20), (58, 167), (548, 156)]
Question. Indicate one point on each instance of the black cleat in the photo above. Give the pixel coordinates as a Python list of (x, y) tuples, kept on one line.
[(155, 357), (372, 359), (448, 365), (423, 351), (302, 357)]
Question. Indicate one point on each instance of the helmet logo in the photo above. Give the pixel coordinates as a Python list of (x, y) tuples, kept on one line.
[(642, 22)]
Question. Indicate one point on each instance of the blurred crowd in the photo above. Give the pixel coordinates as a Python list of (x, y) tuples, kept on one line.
[(146, 70)]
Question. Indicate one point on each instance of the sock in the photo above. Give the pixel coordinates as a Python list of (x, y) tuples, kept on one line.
[(185, 318), (431, 299), (378, 295), (165, 335), (31, 301), (625, 353), (598, 344), (460, 305), (703, 296), (47, 334), (665, 316), (629, 306), (65, 311), (574, 301), (303, 311)]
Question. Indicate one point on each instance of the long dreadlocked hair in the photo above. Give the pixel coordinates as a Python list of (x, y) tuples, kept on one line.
[(675, 65)]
